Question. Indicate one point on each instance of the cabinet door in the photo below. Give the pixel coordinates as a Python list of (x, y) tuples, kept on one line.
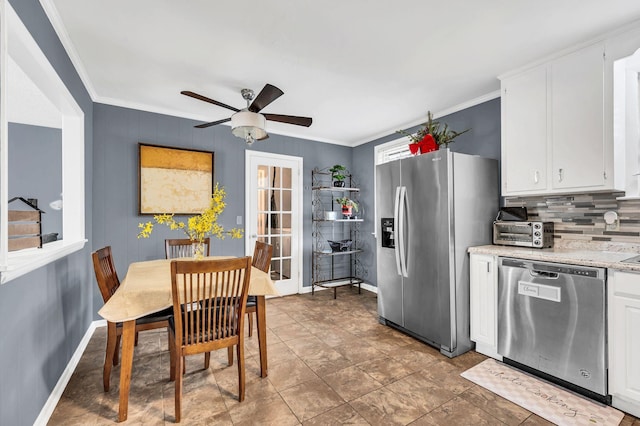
[(483, 301), (524, 132), (624, 339), (577, 115)]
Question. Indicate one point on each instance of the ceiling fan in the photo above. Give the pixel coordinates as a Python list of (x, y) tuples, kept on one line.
[(248, 123)]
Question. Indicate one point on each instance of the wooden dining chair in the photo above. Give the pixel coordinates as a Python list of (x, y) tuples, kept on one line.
[(182, 247), (262, 254), (108, 283), (209, 301)]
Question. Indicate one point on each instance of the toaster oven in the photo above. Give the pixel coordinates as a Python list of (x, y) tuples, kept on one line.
[(523, 234)]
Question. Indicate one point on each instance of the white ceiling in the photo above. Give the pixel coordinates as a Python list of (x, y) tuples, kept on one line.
[(360, 68)]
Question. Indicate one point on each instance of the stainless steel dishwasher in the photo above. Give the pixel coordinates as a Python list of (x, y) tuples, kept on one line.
[(551, 322)]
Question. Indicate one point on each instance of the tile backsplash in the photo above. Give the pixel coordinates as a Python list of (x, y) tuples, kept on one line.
[(579, 219)]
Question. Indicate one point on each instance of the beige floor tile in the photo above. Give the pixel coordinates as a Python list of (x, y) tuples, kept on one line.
[(291, 331), (425, 393), (311, 398), (351, 383), (385, 407), (457, 412), (342, 415), (266, 411), (326, 361), (359, 350), (385, 370), (447, 376), (286, 375)]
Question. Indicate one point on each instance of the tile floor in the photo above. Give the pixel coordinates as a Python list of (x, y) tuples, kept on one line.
[(330, 363)]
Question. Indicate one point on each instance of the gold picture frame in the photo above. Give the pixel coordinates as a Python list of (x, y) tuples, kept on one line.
[(173, 180)]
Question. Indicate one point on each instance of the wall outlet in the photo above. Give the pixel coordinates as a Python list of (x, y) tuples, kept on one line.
[(611, 221), (238, 220)]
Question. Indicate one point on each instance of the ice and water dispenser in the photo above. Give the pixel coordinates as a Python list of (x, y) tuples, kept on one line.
[(387, 232)]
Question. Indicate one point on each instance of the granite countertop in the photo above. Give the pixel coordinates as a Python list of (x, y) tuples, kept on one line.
[(573, 256)]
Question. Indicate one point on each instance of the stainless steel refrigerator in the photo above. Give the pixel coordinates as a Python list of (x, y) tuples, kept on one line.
[(430, 209)]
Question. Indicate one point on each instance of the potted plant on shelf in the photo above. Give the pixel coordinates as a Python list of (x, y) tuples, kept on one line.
[(338, 175), (348, 205), (431, 136)]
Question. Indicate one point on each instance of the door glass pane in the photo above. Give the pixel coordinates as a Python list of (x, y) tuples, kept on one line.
[(274, 177), (285, 246), (263, 207), (286, 223), (275, 202), (275, 241), (286, 201), (275, 269), (286, 268), (286, 177), (263, 177)]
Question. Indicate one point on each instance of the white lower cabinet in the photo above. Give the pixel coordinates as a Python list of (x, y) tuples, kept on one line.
[(624, 340), (484, 303)]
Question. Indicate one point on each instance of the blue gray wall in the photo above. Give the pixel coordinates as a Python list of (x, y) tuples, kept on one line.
[(45, 313), (483, 139), (37, 176), (117, 132)]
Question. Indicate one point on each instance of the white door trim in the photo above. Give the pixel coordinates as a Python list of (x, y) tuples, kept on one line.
[(249, 155)]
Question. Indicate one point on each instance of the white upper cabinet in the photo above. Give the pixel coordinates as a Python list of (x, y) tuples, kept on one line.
[(553, 121), (524, 126), (579, 146)]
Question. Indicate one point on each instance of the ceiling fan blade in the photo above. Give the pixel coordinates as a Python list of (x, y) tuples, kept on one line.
[(265, 137), (267, 95), (205, 99), (289, 119), (213, 123)]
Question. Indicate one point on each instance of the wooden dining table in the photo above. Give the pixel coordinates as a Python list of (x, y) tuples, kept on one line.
[(147, 289)]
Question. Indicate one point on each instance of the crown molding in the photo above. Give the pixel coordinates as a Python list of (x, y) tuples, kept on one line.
[(456, 108), (56, 21)]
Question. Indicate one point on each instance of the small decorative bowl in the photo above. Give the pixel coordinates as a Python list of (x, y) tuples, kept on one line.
[(337, 246)]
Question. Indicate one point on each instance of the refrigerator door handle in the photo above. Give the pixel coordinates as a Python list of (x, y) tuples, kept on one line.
[(403, 202), (396, 210)]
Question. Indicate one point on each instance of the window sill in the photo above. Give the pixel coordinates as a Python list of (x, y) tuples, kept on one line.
[(24, 261)]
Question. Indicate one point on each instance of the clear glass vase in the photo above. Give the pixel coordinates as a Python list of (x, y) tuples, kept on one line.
[(197, 250)]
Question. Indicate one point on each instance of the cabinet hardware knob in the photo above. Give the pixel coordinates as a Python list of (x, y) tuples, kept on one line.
[(560, 175)]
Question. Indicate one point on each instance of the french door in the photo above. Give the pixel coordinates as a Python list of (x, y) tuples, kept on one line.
[(274, 214)]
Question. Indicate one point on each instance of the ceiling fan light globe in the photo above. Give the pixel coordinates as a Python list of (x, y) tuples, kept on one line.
[(248, 125)]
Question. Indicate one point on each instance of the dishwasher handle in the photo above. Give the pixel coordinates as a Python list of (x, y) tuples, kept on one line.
[(543, 274)]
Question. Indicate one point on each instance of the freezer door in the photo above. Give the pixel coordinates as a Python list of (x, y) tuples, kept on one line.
[(389, 280), (427, 288)]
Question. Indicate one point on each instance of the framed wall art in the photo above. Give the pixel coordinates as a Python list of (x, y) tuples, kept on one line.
[(173, 180)]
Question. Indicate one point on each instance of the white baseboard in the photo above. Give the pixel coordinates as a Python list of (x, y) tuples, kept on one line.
[(56, 393), (364, 286)]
